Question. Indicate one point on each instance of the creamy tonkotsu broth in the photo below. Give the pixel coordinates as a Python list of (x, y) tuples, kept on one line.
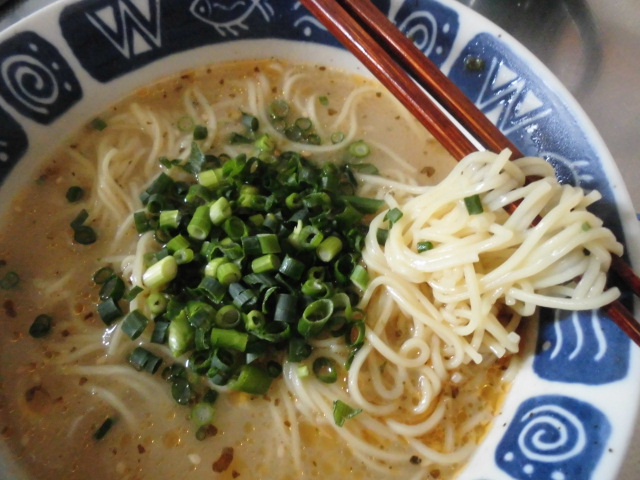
[(57, 390)]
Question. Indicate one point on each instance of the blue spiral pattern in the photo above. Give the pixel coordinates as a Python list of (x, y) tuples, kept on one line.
[(553, 437), (35, 78)]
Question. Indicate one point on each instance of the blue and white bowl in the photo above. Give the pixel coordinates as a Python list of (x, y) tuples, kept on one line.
[(569, 413)]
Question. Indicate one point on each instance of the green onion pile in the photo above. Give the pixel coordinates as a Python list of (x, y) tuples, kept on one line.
[(258, 254)]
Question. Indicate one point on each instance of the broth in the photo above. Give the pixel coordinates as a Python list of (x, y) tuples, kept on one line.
[(56, 391)]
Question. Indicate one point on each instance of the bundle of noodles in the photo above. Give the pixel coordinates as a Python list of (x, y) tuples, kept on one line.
[(449, 287)]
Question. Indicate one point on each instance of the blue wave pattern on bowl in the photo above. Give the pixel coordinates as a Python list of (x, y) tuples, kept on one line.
[(580, 347), (111, 38), (553, 437)]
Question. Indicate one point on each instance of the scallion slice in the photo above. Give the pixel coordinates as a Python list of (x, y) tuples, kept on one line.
[(9, 281), (359, 149), (134, 324), (473, 204), (41, 326), (325, 369), (343, 412), (74, 194), (252, 380), (103, 429)]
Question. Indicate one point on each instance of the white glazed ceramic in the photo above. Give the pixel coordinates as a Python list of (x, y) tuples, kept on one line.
[(571, 410)]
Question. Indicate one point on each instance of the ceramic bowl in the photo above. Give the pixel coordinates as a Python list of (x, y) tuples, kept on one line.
[(568, 415)]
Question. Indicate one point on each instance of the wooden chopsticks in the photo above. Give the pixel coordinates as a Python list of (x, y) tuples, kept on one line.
[(419, 84)]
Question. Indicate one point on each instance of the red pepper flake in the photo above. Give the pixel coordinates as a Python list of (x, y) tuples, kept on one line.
[(235, 474), (223, 462), (141, 449), (9, 308)]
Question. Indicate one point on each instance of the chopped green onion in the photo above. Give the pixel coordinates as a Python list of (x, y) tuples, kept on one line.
[(393, 215), (299, 349), (265, 263), (133, 293), (160, 273), (181, 335), (279, 109), (109, 311), (293, 133), (142, 359), (181, 390), (202, 413), (200, 132), (219, 211), (252, 380), (211, 178), (302, 371), (41, 326), (360, 277), (222, 337), (177, 243), (292, 267), (142, 222), (473, 204), (84, 235), (315, 317), (337, 137), (103, 429), (228, 273), (185, 124), (265, 143), (424, 246), (359, 149), (342, 412), (250, 122), (356, 334), (200, 223), (228, 317), (98, 124), (329, 248), (303, 123), (9, 281), (160, 330), (74, 193), (286, 308), (362, 204), (102, 275), (183, 256), (169, 219), (235, 228), (112, 288), (134, 324), (324, 100), (382, 234), (306, 237), (325, 369)]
